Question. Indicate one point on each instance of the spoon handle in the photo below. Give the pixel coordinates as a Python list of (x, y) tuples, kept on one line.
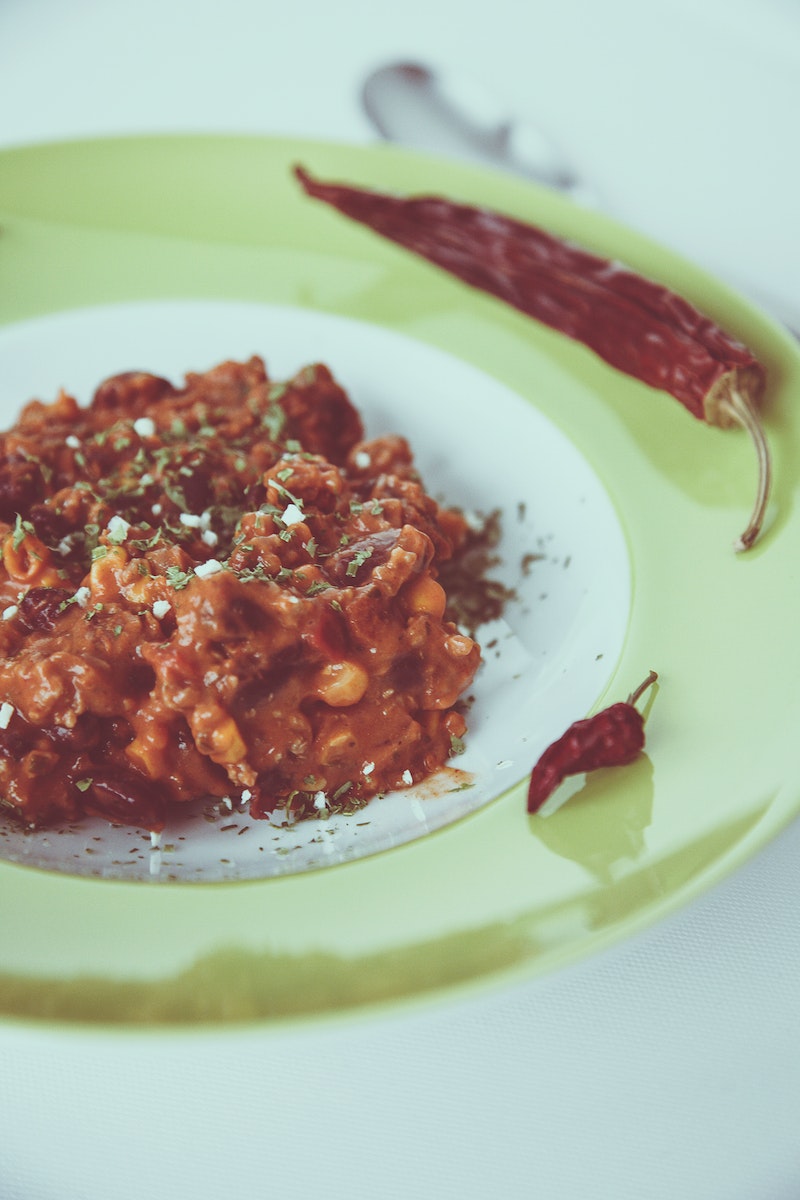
[(453, 115)]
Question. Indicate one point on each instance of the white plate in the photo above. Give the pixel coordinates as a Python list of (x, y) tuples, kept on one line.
[(478, 446)]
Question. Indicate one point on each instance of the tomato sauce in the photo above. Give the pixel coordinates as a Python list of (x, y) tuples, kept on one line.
[(219, 589)]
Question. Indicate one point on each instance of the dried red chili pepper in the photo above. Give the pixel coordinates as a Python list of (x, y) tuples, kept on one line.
[(634, 324), (612, 737)]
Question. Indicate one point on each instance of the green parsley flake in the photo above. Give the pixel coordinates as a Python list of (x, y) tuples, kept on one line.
[(274, 419), (358, 560), (177, 578), (22, 529)]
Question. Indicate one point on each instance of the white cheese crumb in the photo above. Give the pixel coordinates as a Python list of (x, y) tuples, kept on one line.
[(82, 596), (205, 518), (292, 515), (246, 796), (418, 810), (203, 570), (73, 442), (146, 479), (368, 768), (407, 777), (144, 426), (10, 612), (362, 460), (209, 537), (6, 713), (191, 520), (156, 510), (161, 608), (117, 530), (320, 801)]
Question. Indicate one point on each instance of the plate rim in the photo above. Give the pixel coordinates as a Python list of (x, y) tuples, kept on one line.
[(607, 229)]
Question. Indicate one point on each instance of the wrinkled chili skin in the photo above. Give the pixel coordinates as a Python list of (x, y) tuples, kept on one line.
[(636, 325), (611, 738)]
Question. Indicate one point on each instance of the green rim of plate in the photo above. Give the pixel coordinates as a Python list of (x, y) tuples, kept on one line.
[(497, 897)]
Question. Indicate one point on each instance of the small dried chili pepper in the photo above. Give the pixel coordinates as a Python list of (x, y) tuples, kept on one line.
[(613, 737), (634, 324)]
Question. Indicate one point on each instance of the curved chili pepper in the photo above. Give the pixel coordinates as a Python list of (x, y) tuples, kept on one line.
[(613, 737), (634, 324)]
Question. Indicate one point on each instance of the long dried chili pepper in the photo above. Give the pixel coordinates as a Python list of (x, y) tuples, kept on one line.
[(612, 737), (634, 324)]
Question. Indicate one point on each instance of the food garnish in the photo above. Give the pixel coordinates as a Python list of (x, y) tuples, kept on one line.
[(636, 325), (221, 590), (613, 737)]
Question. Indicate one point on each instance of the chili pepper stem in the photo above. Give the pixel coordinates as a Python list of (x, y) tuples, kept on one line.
[(737, 408), (642, 688)]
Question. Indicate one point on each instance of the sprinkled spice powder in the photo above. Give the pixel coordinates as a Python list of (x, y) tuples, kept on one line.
[(222, 589)]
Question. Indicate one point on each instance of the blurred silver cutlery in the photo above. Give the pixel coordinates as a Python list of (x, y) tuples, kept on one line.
[(449, 113)]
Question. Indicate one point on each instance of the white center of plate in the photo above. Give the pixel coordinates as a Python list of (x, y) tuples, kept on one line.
[(477, 445)]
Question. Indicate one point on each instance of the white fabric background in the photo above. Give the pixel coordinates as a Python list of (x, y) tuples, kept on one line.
[(666, 1067)]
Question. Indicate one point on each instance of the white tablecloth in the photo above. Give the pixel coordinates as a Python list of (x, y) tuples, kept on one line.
[(666, 1067)]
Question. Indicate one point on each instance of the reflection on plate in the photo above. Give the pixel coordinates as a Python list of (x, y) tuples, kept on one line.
[(478, 446), (628, 506)]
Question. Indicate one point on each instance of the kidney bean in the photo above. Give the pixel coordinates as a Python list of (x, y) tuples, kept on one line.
[(40, 608), (130, 391), (352, 564), (84, 733), (328, 634), (267, 682), (198, 489), (319, 415), (123, 797), (50, 524), (254, 495), (17, 738), (21, 485)]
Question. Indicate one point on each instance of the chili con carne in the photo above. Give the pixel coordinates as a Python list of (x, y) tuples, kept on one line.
[(220, 589)]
